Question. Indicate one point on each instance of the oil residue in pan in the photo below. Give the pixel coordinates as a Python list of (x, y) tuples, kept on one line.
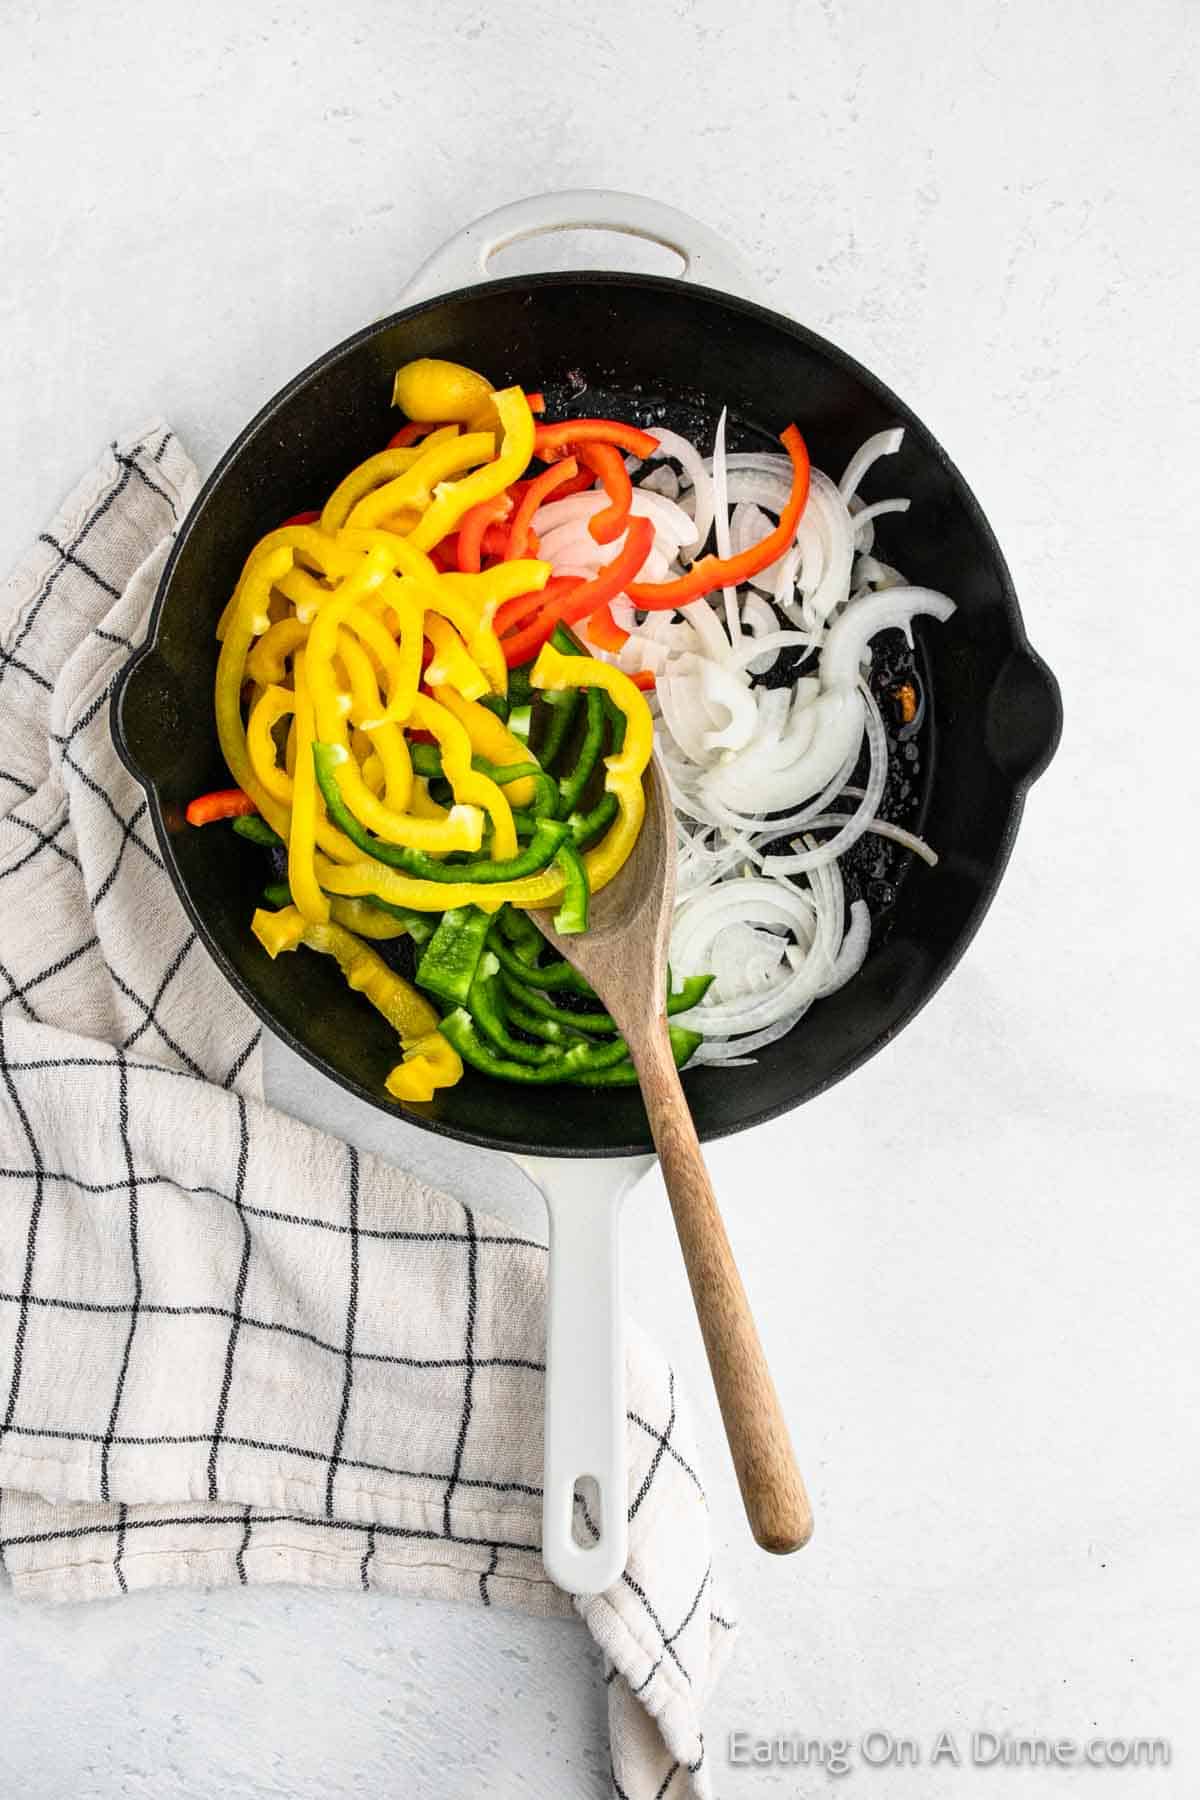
[(873, 868)]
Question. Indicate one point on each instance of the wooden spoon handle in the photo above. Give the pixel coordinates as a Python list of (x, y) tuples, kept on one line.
[(772, 1488)]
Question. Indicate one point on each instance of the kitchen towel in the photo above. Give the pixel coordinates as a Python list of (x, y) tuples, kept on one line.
[(233, 1349)]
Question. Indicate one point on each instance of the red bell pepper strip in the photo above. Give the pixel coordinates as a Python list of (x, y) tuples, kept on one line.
[(604, 631), (412, 433), (644, 679), (568, 609), (536, 493), (444, 556), (730, 571), (514, 612), (606, 462), (472, 526), (552, 441), (305, 518), (536, 402), (222, 803), (495, 542)]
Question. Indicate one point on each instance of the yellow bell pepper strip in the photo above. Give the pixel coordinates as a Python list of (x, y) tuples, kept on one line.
[(309, 544), (429, 1063), (362, 689), (360, 482), (370, 574), (306, 592), (306, 806), (490, 738), (247, 621), (372, 773), (273, 704), (423, 803), (470, 617), (460, 829), (368, 921), (452, 500), (430, 388), (470, 788), (414, 490), (492, 587), (553, 672), (268, 660), (450, 665)]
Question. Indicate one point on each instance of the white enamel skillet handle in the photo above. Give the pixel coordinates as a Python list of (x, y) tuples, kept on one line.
[(464, 258), (585, 1431)]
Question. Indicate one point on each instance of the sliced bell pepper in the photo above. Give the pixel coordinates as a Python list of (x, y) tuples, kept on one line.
[(432, 388), (571, 785), (552, 441), (397, 459), (730, 571), (568, 609), (604, 631), (436, 461), (274, 703), (606, 462), (301, 838), (413, 432), (490, 738), (451, 665), (429, 1063), (572, 915), (535, 497), (456, 498), (472, 527), (222, 803), (451, 957), (418, 863)]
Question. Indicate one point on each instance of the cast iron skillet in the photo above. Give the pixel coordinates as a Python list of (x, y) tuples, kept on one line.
[(654, 350)]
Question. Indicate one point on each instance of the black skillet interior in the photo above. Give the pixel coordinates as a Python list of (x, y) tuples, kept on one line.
[(657, 351)]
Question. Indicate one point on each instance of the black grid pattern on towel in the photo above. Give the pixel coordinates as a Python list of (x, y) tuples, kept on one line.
[(141, 1315)]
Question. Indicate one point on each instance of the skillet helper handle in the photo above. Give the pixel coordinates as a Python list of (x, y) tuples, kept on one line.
[(773, 1491), (463, 260), (585, 1377)]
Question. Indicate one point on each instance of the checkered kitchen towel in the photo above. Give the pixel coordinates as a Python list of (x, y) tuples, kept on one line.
[(232, 1349)]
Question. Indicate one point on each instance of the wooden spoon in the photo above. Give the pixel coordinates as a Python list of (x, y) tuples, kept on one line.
[(623, 955)]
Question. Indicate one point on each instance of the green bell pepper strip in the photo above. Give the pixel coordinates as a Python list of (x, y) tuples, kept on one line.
[(496, 703), (427, 761), (586, 828), (277, 896), (483, 1004), (542, 849), (623, 1074), (450, 959), (556, 976), (572, 915), (617, 721), (580, 1060), (583, 1064), (519, 721), (571, 786), (537, 1027), (420, 925), (521, 932), (690, 994), (254, 828), (561, 710)]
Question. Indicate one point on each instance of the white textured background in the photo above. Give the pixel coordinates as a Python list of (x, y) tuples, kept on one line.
[(976, 1263)]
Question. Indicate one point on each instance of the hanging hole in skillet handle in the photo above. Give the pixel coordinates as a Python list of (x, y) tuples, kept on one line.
[(705, 256), (585, 1483)]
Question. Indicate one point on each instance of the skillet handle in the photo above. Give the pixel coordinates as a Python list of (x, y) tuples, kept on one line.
[(585, 1370), (463, 260)]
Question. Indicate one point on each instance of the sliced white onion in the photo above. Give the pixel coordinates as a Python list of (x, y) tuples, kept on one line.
[(850, 634), (884, 443), (733, 623), (823, 854)]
